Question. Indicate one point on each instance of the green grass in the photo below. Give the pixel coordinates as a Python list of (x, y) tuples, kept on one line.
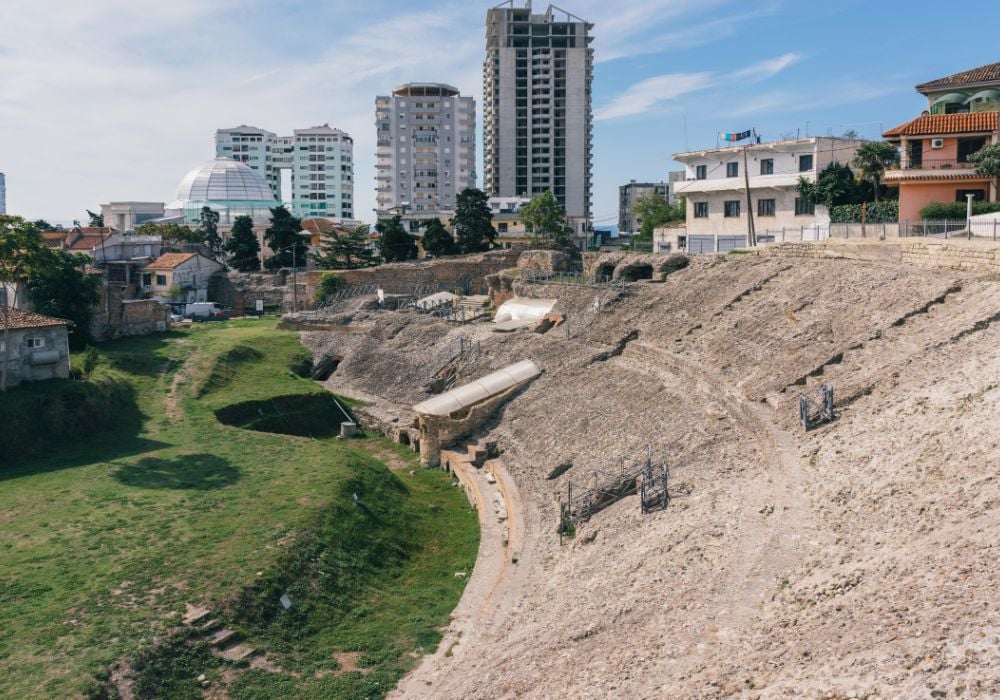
[(106, 537)]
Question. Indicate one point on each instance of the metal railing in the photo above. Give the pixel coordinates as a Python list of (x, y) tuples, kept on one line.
[(345, 293), (936, 164), (816, 407), (642, 475)]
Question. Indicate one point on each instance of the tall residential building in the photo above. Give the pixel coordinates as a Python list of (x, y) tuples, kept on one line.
[(537, 106), (320, 161), (3, 194), (628, 222), (426, 149)]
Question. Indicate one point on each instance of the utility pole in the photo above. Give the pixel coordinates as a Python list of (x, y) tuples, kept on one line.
[(751, 234)]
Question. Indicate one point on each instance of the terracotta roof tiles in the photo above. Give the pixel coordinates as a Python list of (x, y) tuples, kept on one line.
[(983, 74), (930, 124), (168, 261), (23, 320)]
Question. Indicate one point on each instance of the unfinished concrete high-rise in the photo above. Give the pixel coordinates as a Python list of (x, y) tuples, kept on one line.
[(537, 106)]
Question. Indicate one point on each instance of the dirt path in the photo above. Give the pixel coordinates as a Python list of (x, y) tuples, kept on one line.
[(507, 553), (765, 552)]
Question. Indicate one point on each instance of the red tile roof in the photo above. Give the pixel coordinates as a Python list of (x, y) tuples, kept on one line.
[(983, 74), (168, 261), (87, 242), (23, 320), (933, 124)]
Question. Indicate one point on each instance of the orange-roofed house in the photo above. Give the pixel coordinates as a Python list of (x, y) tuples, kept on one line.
[(185, 273), (963, 115)]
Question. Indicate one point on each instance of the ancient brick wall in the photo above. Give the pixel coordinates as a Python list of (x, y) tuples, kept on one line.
[(116, 317), (975, 256)]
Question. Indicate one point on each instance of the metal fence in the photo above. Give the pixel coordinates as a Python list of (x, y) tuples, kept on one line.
[(576, 277), (816, 406), (642, 475)]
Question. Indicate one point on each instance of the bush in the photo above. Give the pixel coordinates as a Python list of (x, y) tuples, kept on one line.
[(881, 213), (90, 360), (328, 284), (955, 211)]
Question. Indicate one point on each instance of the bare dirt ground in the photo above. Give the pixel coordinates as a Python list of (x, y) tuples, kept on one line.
[(856, 560)]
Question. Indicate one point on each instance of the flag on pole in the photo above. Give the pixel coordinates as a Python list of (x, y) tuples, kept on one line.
[(735, 137)]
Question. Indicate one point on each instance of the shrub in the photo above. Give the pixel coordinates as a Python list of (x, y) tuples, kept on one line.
[(328, 284), (955, 211), (885, 212)]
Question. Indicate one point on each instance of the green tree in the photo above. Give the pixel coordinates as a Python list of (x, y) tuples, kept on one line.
[(437, 240), (62, 288), (655, 210), (345, 250), (209, 231), (394, 241), (872, 159), (282, 236), (22, 254), (545, 220), (834, 186), (242, 246), (473, 222), (95, 219), (43, 225), (329, 283), (170, 233), (987, 162)]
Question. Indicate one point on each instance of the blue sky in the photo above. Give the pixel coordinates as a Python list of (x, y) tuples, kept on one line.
[(116, 99)]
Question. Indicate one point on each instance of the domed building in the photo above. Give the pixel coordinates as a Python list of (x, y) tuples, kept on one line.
[(230, 188)]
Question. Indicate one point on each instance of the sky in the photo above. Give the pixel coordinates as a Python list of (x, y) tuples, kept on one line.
[(115, 100)]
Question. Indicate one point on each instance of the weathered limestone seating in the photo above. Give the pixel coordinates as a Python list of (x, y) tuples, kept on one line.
[(955, 254)]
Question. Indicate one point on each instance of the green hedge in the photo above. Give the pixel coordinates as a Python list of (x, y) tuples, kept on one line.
[(881, 213), (41, 415), (955, 211)]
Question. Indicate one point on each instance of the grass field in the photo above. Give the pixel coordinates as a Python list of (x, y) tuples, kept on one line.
[(104, 540)]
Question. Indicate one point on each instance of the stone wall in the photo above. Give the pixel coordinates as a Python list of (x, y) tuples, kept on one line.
[(631, 266), (974, 256), (547, 260), (241, 290), (117, 317), (401, 278)]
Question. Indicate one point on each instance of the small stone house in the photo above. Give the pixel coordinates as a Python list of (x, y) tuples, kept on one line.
[(39, 347), (189, 272)]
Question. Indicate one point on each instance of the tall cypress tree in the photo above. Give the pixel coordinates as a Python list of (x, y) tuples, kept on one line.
[(345, 250), (394, 241), (282, 237), (242, 246), (209, 231), (473, 222)]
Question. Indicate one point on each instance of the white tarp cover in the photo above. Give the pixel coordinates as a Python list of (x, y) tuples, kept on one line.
[(479, 390), (523, 310), (436, 300)]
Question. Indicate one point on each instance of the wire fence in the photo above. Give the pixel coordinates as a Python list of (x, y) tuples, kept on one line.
[(573, 277)]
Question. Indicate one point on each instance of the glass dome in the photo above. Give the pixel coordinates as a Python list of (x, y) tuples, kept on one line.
[(223, 180)]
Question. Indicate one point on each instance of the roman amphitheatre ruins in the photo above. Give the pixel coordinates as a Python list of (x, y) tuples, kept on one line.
[(856, 559)]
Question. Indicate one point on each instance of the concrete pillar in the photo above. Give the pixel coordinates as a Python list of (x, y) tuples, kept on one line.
[(430, 442)]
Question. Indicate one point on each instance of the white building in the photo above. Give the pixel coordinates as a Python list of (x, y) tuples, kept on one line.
[(125, 216), (537, 107), (426, 150), (319, 162), (715, 188)]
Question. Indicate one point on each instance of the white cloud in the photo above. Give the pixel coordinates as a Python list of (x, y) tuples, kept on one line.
[(762, 70), (645, 94)]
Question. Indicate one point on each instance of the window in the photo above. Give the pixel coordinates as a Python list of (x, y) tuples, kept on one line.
[(701, 210), (700, 172), (732, 169), (805, 163), (502, 227), (161, 280), (804, 207), (765, 207), (968, 146), (977, 195), (731, 208), (767, 166), (34, 343)]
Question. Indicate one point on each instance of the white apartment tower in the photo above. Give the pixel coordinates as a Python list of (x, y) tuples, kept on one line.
[(320, 161), (426, 150), (537, 108)]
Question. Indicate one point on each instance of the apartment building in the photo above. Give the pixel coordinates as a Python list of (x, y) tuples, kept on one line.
[(318, 162), (3, 194), (715, 185), (537, 107), (629, 222), (426, 150)]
